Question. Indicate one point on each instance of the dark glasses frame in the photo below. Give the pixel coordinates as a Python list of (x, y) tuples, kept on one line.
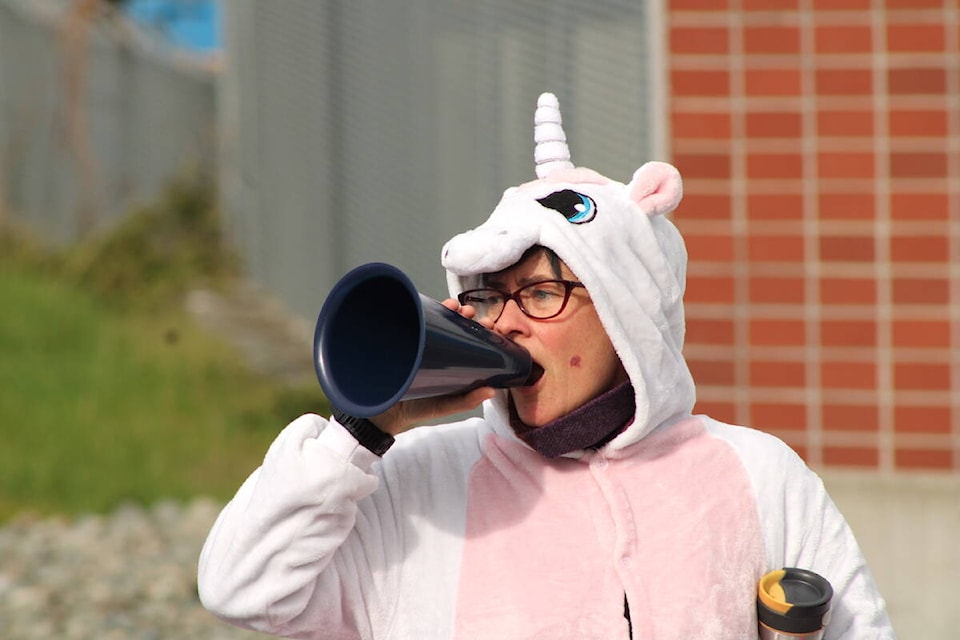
[(568, 287)]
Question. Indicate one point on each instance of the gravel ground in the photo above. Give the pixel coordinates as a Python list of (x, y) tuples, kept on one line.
[(127, 575), (131, 574)]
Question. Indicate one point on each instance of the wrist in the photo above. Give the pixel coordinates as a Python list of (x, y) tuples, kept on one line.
[(369, 435)]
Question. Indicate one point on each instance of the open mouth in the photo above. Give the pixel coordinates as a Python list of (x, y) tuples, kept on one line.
[(536, 372)]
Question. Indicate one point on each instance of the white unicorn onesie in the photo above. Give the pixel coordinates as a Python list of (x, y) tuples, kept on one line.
[(468, 531)]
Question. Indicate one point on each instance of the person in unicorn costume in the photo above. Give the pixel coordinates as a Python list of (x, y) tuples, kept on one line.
[(590, 503)]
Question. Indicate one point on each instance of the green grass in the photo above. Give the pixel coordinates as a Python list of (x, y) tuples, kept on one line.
[(108, 391), (99, 406)]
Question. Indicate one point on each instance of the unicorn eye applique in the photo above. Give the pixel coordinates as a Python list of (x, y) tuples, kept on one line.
[(577, 208)]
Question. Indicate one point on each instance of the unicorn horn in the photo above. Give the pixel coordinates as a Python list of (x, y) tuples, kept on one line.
[(551, 150)]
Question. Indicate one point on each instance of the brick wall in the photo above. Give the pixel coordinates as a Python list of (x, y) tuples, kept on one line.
[(820, 146)]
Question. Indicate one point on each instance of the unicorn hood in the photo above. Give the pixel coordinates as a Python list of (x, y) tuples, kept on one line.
[(617, 240)]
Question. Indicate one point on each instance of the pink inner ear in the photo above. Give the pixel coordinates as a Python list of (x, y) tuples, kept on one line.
[(657, 188)]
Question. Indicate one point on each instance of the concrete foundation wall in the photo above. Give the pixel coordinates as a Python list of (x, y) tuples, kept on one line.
[(909, 528)]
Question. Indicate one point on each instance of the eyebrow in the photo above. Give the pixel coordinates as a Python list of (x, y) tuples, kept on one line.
[(495, 281)]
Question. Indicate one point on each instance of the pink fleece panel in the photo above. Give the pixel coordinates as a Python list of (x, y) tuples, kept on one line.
[(552, 546)]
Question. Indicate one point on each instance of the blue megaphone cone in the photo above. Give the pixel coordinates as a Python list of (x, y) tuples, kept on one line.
[(378, 341)]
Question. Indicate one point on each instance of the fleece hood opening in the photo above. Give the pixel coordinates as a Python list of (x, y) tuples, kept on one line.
[(618, 241)]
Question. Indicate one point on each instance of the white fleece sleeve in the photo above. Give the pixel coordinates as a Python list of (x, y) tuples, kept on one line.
[(286, 556), (803, 528)]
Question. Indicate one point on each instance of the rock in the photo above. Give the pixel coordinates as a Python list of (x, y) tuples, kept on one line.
[(127, 575)]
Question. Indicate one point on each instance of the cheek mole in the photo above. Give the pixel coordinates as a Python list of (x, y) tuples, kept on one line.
[(575, 361)]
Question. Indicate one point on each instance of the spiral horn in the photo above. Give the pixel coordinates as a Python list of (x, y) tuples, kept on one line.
[(551, 151)]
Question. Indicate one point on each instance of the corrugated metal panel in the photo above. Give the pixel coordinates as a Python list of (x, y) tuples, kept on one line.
[(371, 130)]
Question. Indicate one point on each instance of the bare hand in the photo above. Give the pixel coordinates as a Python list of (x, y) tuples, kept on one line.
[(407, 414)]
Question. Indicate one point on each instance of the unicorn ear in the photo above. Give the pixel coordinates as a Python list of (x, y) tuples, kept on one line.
[(656, 187)]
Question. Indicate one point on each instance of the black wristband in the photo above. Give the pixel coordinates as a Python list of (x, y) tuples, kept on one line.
[(367, 434)]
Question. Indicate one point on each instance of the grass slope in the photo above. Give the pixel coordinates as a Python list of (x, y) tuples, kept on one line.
[(97, 406)]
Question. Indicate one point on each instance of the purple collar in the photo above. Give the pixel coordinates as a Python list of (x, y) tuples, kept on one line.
[(588, 427)]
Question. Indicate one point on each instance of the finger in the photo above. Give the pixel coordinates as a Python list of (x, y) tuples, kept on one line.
[(466, 402), (486, 322)]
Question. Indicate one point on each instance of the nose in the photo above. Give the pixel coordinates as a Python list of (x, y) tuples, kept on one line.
[(512, 320)]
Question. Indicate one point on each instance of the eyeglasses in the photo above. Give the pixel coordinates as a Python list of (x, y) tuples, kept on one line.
[(538, 300)]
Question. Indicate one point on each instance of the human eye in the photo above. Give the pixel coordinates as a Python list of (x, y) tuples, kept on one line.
[(542, 298), (492, 297), (544, 291), (472, 297)]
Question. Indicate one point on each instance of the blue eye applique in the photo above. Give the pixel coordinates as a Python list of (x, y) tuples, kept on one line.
[(575, 207)]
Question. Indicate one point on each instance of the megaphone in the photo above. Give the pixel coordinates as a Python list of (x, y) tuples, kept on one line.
[(378, 341)]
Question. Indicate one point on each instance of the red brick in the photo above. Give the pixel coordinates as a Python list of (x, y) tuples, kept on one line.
[(777, 374), (709, 289), (848, 333), (927, 459), (921, 333), (919, 123), (919, 206), (705, 206), (777, 290), (848, 375), (712, 372), (846, 249), (848, 291), (915, 38), (774, 165), (709, 331), (842, 417), (722, 411), (915, 4), (917, 81), (773, 82), (703, 165), (843, 39), (926, 419), (700, 125), (919, 248), (769, 5), (698, 5), (767, 248), (921, 376), (709, 247), (847, 206), (775, 206), (844, 82), (921, 291), (918, 165), (699, 83), (769, 416), (771, 39), (699, 40), (851, 456), (840, 5), (845, 124), (762, 124), (852, 164), (777, 332)]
